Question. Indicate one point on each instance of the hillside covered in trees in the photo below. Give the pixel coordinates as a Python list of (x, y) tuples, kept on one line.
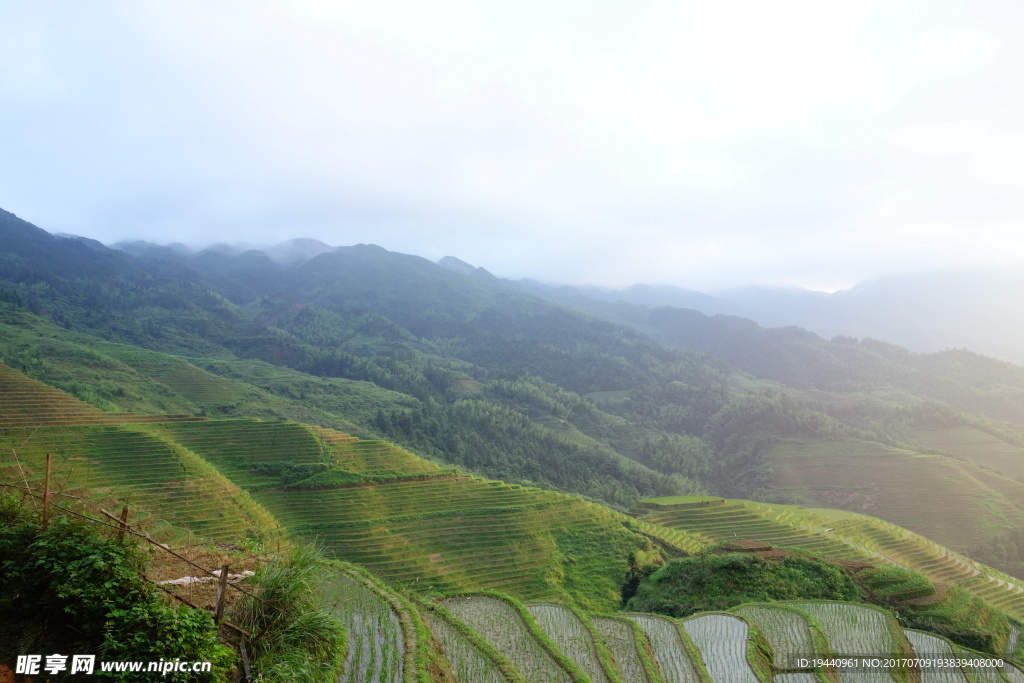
[(610, 401)]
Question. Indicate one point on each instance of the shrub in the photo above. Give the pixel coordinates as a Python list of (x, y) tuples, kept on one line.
[(718, 582), (68, 589)]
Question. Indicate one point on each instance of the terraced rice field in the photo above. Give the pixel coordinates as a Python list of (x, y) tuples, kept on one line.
[(648, 648), (372, 456), (776, 525), (846, 536), (131, 464), (504, 628), (467, 661), (376, 642), (625, 645), (250, 440), (463, 533), (927, 645), (722, 641), (571, 636), (849, 628), (948, 501), (1000, 591), (236, 446), (670, 648), (979, 675), (786, 629), (196, 384), (907, 549), (853, 630), (1014, 641), (979, 446), (24, 402)]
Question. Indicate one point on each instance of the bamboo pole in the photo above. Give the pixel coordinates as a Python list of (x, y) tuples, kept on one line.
[(46, 491), (247, 675)]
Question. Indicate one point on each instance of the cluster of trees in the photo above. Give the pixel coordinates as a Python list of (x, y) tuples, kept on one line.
[(485, 437), (716, 582)]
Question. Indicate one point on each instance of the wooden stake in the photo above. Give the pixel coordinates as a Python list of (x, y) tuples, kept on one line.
[(124, 523), (222, 589), (46, 491), (246, 674)]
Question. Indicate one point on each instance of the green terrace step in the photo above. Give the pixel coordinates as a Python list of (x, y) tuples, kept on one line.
[(513, 632), (677, 657), (251, 440), (458, 531), (378, 456), (853, 629), (490, 637), (574, 637), (110, 465), (722, 640), (24, 402), (377, 642), (789, 631), (471, 660), (629, 647)]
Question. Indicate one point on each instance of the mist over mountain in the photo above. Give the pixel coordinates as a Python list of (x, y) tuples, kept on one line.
[(974, 308), (968, 308)]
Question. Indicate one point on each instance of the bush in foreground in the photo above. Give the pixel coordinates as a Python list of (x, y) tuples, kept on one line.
[(67, 589), (293, 639)]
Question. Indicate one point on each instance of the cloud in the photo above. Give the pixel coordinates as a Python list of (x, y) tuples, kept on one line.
[(704, 143)]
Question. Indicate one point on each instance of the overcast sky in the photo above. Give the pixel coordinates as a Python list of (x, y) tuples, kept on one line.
[(703, 144)]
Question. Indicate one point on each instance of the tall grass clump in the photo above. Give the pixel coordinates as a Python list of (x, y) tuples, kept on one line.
[(293, 639)]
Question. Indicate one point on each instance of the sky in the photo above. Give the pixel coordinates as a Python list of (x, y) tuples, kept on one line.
[(705, 144)]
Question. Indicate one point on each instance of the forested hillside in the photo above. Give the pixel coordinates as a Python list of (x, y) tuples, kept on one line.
[(613, 402)]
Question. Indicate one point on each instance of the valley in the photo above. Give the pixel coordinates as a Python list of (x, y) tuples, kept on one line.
[(492, 475)]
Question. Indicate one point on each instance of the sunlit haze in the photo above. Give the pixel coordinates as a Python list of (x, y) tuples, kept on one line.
[(702, 144)]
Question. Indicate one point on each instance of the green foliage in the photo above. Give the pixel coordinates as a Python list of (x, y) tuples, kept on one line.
[(963, 618), (746, 426), (896, 582), (293, 638), (67, 589), (718, 582), (482, 436)]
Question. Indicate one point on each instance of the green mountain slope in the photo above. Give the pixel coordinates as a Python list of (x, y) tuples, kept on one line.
[(440, 532), (475, 372)]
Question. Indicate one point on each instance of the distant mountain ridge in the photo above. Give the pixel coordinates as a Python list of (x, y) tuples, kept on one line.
[(970, 308), (974, 308)]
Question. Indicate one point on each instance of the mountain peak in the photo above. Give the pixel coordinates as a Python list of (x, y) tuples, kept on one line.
[(297, 251), (456, 264)]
